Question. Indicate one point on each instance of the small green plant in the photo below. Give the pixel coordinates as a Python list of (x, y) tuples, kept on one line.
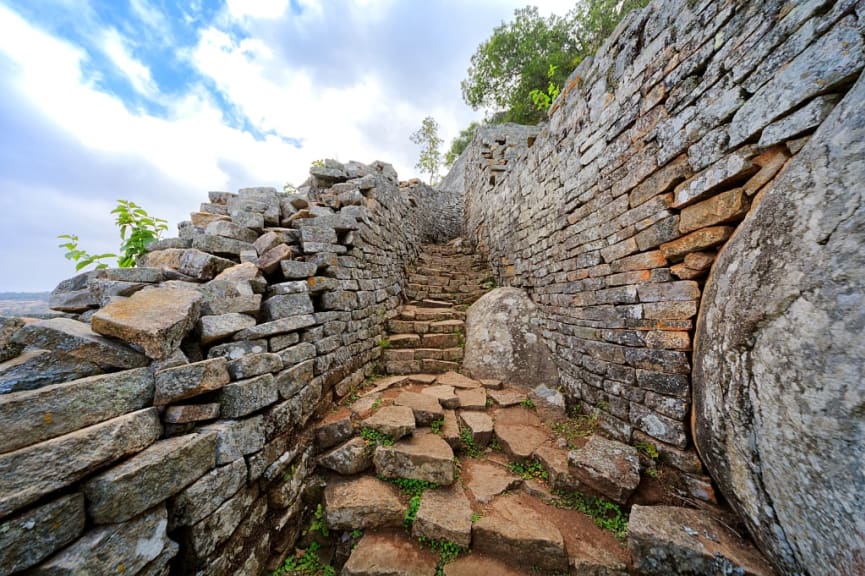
[(305, 563), (317, 163), (384, 343), (528, 403), (578, 425), (543, 100), (652, 471), (357, 534), (411, 512), (437, 426), (410, 486), (606, 515), (137, 230), (469, 443), (447, 550), (533, 470), (319, 524), (376, 405), (475, 517), (494, 444), (375, 437), (647, 448)]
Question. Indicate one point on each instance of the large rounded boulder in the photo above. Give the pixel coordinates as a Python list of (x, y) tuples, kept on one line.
[(779, 359), (503, 340)]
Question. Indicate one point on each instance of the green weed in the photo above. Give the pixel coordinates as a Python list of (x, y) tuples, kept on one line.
[(469, 443), (533, 470), (306, 564), (437, 426), (375, 437), (606, 515)]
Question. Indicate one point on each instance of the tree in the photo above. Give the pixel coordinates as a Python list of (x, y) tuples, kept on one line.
[(430, 157), (460, 143), (533, 53)]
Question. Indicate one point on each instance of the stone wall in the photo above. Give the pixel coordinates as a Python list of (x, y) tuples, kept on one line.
[(165, 424), (612, 214)]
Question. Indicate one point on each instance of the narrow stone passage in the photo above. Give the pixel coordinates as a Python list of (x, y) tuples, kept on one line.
[(428, 471)]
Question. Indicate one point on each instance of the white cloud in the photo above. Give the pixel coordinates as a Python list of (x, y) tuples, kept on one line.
[(115, 47), (266, 9)]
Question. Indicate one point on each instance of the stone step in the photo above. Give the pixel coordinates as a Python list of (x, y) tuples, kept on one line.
[(607, 468), (360, 503), (404, 340), (422, 456), (411, 312), (445, 514), (409, 354), (476, 564), (511, 528), (425, 365), (397, 326), (389, 554)]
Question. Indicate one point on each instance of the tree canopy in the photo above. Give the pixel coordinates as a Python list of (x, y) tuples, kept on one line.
[(533, 52), (460, 143)]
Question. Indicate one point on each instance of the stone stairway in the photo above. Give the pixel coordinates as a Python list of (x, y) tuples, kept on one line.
[(429, 472), (428, 334)]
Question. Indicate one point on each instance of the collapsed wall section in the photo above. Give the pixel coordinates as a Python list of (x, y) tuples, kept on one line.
[(165, 424), (612, 214)]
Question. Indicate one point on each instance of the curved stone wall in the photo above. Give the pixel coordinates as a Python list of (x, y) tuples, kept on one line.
[(612, 214)]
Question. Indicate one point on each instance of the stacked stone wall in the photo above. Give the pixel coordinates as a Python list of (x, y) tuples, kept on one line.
[(611, 214), (164, 425)]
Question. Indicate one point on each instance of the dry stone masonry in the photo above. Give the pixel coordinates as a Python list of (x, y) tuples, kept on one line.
[(681, 250), (694, 117), (164, 422)]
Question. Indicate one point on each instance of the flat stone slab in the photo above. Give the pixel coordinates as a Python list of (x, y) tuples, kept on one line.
[(488, 480), (519, 441), (426, 408), (444, 394), (419, 457), (389, 554), (505, 398), (80, 341), (456, 380), (362, 503), (472, 399), (201, 498), (28, 539), (215, 328), (511, 529), (113, 549), (162, 470), (491, 383), (444, 514), (352, 457), (607, 467), (386, 383), (29, 417), (25, 477), (157, 319), (244, 397), (333, 429), (670, 540), (426, 379), (480, 425), (476, 564), (395, 421)]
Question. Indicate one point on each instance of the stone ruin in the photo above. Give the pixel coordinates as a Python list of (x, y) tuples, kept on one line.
[(688, 225)]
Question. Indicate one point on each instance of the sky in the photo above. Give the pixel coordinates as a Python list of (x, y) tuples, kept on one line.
[(161, 101)]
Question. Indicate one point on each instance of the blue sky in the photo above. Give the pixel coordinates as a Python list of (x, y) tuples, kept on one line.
[(158, 101)]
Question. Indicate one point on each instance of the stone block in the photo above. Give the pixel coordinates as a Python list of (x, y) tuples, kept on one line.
[(362, 503), (34, 416), (352, 457), (212, 329), (157, 319), (205, 537), (190, 413), (606, 467), (288, 305), (37, 368), (201, 498), (182, 382), (244, 397), (148, 478), (29, 538), (236, 438), (296, 269), (25, 477), (77, 340), (419, 457), (276, 327), (722, 208), (201, 265), (292, 380), (255, 365), (113, 549)]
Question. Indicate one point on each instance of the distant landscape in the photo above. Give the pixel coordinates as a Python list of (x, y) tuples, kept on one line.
[(24, 304)]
